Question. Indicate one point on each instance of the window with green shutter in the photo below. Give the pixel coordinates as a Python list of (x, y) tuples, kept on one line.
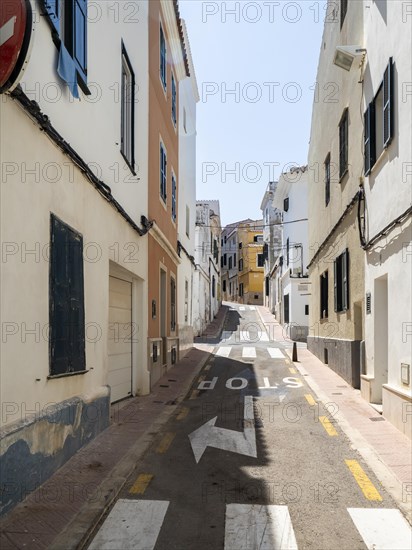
[(66, 300)]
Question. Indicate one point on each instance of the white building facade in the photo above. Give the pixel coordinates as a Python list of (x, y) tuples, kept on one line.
[(292, 295), (188, 98), (387, 70), (272, 242), (74, 223), (207, 287)]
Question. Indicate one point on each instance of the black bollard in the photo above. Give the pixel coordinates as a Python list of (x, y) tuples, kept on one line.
[(294, 353)]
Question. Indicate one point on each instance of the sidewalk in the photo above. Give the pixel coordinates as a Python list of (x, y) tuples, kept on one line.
[(61, 512), (387, 451)]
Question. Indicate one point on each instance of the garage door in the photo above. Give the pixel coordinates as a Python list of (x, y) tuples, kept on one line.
[(120, 331)]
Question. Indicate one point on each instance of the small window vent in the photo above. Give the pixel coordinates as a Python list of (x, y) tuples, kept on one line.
[(368, 303)]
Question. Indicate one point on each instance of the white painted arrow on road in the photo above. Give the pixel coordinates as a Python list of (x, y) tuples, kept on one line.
[(209, 435)]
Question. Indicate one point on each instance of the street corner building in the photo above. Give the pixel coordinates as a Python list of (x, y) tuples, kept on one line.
[(359, 206), (93, 233)]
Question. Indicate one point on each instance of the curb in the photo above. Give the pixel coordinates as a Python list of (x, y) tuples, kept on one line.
[(79, 531)]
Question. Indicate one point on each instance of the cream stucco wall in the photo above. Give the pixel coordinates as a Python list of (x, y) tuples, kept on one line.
[(337, 89)]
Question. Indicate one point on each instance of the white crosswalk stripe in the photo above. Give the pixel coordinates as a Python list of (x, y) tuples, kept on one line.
[(252, 308), (275, 353), (248, 352), (382, 528), (224, 351), (257, 527), (242, 308), (263, 337), (131, 524)]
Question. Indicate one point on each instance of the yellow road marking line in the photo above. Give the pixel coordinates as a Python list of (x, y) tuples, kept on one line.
[(292, 370), (165, 443), (310, 399), (182, 413), (326, 423), (368, 488), (141, 484), (194, 394)]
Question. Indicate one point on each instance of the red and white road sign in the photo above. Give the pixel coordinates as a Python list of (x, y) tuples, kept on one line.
[(15, 34)]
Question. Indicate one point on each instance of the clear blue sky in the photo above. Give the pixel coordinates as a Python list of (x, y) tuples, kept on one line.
[(268, 53)]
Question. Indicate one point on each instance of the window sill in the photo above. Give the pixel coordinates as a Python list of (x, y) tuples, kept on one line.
[(129, 164), (66, 374), (163, 202), (343, 176), (378, 161)]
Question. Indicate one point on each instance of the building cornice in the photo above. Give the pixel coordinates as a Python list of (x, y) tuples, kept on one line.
[(174, 31), (162, 240)]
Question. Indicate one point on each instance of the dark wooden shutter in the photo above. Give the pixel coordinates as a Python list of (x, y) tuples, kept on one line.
[(66, 301), (52, 9), (345, 280), (388, 110), (335, 284), (343, 144), (76, 311), (370, 138), (59, 294), (80, 37)]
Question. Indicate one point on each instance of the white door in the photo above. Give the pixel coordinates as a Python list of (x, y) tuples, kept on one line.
[(120, 338)]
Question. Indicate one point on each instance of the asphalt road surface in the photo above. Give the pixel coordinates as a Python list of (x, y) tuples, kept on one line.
[(252, 460)]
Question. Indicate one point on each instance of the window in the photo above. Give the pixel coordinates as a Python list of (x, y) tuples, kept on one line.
[(174, 198), (286, 204), (230, 262), (172, 304), (306, 309), (234, 259), (127, 111), (267, 286), (230, 289), (324, 293), (258, 238), (213, 286), (287, 251), (241, 289), (187, 221), (378, 120), (327, 179), (174, 105), (69, 21), (215, 250), (343, 144), (240, 265), (163, 172), (221, 261), (163, 64), (240, 245), (186, 300), (66, 305), (224, 259), (343, 10), (224, 286), (341, 281), (260, 260), (286, 308)]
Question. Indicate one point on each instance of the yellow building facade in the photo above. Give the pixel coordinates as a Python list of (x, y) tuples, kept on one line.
[(251, 263)]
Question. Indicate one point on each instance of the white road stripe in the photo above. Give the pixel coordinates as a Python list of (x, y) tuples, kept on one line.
[(252, 308), (248, 352), (131, 524), (224, 351), (244, 336), (242, 308), (275, 353), (382, 528), (257, 527)]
